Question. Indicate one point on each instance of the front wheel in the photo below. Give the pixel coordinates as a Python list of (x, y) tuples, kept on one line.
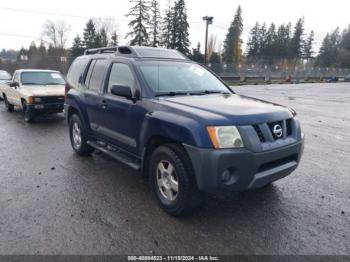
[(172, 180), (9, 107), (79, 137), (27, 113)]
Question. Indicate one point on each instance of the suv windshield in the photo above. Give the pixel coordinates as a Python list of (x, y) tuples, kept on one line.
[(171, 78), (5, 76), (41, 78)]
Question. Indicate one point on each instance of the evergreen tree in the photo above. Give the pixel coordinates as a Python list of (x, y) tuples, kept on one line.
[(270, 44), (104, 41), (114, 39), (233, 41), (197, 55), (308, 46), (155, 23), (328, 55), (141, 20), (181, 40), (215, 62), (253, 43), (344, 49), (296, 43), (167, 27), (91, 39), (77, 48)]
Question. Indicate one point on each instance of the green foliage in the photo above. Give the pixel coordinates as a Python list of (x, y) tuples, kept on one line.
[(197, 55), (139, 25), (233, 41), (155, 23), (77, 48), (273, 45), (167, 27), (91, 37), (215, 61), (180, 35)]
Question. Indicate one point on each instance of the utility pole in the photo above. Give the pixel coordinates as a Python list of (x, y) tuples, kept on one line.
[(209, 21)]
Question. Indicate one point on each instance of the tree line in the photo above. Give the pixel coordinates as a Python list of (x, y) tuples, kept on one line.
[(284, 44)]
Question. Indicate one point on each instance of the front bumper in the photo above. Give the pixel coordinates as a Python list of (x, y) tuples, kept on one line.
[(242, 169), (51, 108)]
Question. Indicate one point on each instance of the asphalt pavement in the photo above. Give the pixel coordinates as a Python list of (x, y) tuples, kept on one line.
[(54, 202)]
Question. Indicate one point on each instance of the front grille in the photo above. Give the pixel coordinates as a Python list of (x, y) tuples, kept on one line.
[(259, 133), (52, 99), (272, 131)]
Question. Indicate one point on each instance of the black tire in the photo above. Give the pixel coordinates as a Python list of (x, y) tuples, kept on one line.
[(188, 196), (9, 107), (27, 113), (82, 149)]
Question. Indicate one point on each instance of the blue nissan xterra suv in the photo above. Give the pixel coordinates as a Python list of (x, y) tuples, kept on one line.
[(178, 123)]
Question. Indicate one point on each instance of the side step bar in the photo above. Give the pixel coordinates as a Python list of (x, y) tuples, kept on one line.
[(116, 154)]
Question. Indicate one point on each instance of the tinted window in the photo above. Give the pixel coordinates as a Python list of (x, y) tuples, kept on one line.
[(41, 78), (97, 75), (88, 75), (121, 75), (76, 70)]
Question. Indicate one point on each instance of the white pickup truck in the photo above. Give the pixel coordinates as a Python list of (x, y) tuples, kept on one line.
[(35, 92)]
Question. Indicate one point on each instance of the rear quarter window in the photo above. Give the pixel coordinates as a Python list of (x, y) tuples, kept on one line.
[(76, 70)]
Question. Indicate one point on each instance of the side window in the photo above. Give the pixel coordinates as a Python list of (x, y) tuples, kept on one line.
[(75, 71), (15, 77), (97, 75), (88, 75), (121, 74)]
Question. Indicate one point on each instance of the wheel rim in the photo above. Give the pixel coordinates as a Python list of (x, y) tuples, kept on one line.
[(167, 181), (76, 135)]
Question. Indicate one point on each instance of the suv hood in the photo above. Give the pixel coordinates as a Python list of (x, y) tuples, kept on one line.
[(53, 90), (229, 109)]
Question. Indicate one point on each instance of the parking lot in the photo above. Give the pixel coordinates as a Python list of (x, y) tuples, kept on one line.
[(54, 202)]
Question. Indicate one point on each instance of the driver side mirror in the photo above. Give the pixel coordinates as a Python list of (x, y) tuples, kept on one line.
[(14, 84), (121, 90)]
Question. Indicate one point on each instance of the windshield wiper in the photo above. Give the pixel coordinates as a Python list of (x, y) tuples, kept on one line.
[(172, 93), (53, 84), (207, 92)]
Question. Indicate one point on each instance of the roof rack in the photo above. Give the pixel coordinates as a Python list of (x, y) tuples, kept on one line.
[(102, 50), (138, 52)]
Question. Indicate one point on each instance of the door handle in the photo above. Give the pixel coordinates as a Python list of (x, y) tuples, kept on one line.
[(104, 104)]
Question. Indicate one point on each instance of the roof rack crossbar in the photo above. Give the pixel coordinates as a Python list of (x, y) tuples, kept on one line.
[(112, 49)]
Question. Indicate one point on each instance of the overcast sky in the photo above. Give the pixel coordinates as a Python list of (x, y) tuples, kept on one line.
[(19, 28)]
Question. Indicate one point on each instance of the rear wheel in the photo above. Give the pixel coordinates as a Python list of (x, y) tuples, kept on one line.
[(9, 107), (79, 137), (172, 180)]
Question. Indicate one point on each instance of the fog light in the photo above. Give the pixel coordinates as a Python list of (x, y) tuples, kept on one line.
[(226, 176)]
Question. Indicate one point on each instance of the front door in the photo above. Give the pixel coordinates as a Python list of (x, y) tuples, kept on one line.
[(121, 115)]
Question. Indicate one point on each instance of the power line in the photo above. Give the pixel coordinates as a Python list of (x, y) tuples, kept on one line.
[(74, 15)]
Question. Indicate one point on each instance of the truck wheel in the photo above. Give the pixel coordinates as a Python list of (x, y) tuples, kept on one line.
[(9, 107), (78, 136), (27, 113), (172, 180)]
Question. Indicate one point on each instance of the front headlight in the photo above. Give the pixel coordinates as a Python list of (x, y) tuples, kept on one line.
[(225, 137)]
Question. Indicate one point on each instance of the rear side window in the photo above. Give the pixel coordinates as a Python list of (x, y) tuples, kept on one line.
[(97, 75), (75, 71)]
